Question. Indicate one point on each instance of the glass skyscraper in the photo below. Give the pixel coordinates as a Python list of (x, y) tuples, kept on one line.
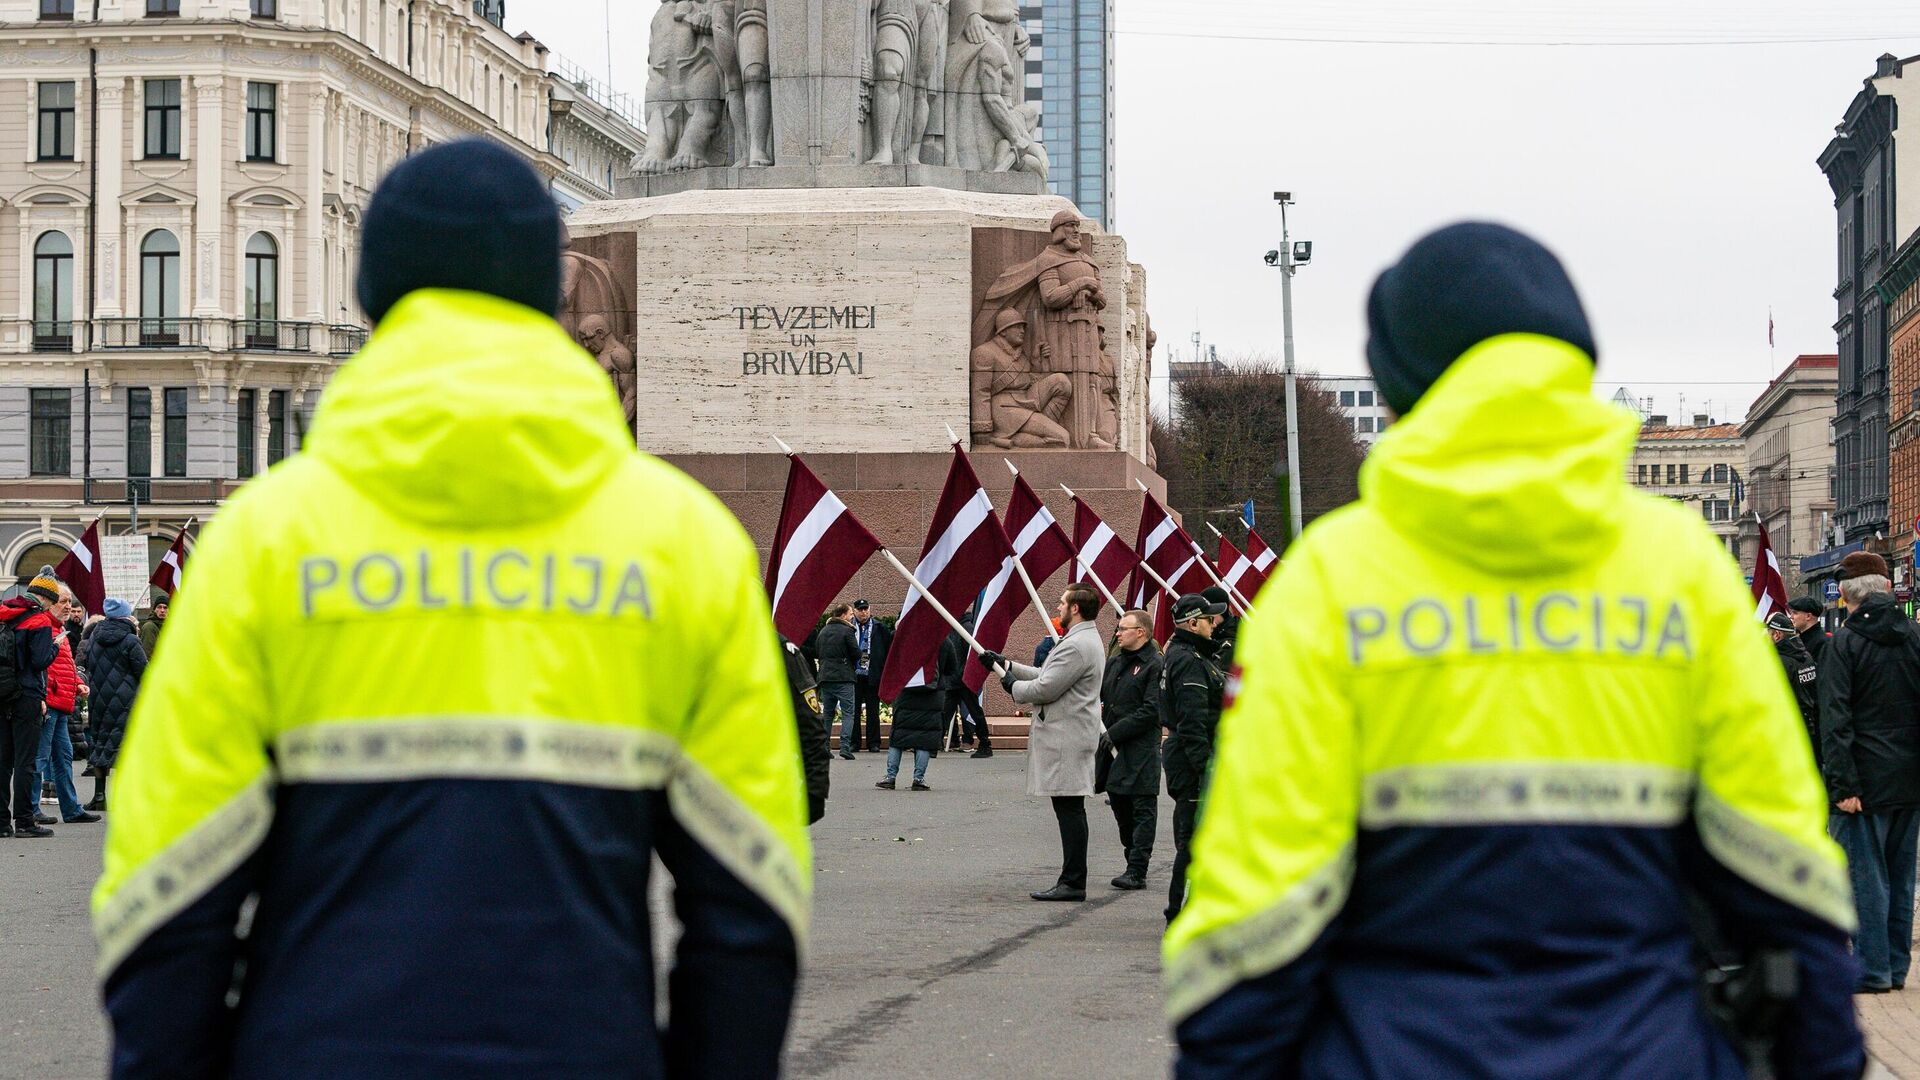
[(1070, 75)]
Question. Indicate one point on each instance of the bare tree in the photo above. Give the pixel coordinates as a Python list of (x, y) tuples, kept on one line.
[(1228, 443)]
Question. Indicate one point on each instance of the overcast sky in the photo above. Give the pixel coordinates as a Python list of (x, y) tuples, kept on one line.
[(1664, 148)]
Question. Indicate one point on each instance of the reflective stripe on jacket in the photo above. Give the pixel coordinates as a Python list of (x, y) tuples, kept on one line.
[(1512, 715), (438, 691)]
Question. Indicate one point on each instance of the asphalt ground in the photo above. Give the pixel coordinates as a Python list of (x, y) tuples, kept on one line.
[(927, 958)]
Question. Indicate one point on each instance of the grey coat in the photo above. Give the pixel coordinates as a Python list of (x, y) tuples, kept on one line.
[(1066, 728)]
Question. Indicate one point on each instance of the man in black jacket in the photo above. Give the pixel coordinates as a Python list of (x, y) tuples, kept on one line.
[(1802, 674), (815, 757), (839, 656), (1809, 622), (959, 699), (1870, 736), (1226, 633), (1130, 710), (873, 638), (1191, 687)]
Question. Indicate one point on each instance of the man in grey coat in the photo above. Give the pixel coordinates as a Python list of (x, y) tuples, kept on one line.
[(1066, 728)]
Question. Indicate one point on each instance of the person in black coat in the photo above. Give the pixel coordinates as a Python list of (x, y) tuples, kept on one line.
[(919, 722), (1191, 689), (1130, 711), (815, 756), (1802, 674), (972, 726), (1870, 737), (873, 638), (1809, 618), (838, 656), (117, 663)]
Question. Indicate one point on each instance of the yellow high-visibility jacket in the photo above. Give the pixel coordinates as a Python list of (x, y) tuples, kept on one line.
[(436, 692), (1494, 724)]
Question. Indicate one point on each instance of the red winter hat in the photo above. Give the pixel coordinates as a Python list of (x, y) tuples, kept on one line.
[(1863, 564)]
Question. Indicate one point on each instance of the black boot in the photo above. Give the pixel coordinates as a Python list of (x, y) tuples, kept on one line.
[(99, 802)]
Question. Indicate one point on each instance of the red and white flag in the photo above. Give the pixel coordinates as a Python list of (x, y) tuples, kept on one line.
[(82, 571), (965, 548), (1769, 588), (1100, 549), (1245, 572), (1167, 548), (819, 547), (166, 577), (1042, 547)]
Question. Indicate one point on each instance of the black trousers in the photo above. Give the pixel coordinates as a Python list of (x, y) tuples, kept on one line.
[(1071, 810), (866, 703), (973, 719), (1139, 819), (19, 747), (1186, 814)]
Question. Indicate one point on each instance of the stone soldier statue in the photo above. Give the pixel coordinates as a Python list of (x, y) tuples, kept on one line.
[(909, 68), (615, 359), (1061, 284), (1015, 407), (985, 129), (750, 86), (1106, 412), (686, 84)]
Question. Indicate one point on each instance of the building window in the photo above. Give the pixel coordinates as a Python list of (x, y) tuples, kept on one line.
[(160, 289), (276, 426), (1366, 425), (1346, 399), (173, 437), (243, 464), (1684, 478), (56, 9), (162, 8), (50, 432), (1673, 473), (53, 292), (1719, 474), (1366, 399), (56, 121), (163, 118), (139, 431), (263, 290), (265, 9), (260, 127), (1643, 476), (1718, 511)]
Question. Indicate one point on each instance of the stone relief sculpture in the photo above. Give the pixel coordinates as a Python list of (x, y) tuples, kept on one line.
[(615, 359), (1014, 406), (690, 50), (941, 82), (1060, 291), (596, 309), (1106, 406)]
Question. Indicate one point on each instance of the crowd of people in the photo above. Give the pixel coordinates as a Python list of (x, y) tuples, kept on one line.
[(68, 679)]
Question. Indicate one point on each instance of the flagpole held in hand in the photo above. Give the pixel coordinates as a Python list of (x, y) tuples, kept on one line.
[(1081, 561), (1039, 605), (927, 595)]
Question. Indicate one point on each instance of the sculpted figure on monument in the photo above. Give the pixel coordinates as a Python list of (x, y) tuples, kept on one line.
[(909, 70), (1061, 287), (615, 359), (750, 86), (1106, 413), (986, 128), (690, 48), (1014, 406)]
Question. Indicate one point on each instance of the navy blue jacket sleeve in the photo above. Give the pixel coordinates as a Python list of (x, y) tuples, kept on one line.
[(168, 1000), (731, 991), (1252, 1032)]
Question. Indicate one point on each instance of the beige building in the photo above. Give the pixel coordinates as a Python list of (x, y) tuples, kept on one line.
[(1700, 465), (1790, 473), (181, 183)]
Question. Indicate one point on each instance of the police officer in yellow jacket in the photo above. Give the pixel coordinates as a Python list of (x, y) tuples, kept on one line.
[(1515, 717), (436, 693)]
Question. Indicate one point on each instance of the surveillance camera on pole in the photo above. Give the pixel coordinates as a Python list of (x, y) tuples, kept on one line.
[(1286, 258)]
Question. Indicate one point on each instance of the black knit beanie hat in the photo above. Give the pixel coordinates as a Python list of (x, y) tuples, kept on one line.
[(464, 215), (1455, 289)]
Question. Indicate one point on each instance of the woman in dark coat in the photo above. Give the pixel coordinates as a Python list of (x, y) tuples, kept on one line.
[(918, 721), (116, 663)]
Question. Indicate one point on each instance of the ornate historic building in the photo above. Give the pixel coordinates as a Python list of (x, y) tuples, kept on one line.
[(1900, 288), (1790, 478), (1699, 465), (181, 183)]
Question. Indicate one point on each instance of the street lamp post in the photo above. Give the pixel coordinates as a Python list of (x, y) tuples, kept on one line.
[(1285, 199)]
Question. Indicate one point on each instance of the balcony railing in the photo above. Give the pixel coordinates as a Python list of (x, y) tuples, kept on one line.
[(55, 335), (168, 333), (345, 340), (268, 335)]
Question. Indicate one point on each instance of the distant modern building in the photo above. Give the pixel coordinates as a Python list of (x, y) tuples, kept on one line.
[(1070, 76), (1790, 475), (1360, 402), (1699, 465)]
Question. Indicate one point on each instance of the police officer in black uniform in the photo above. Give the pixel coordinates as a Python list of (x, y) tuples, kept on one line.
[(1191, 686), (1130, 711)]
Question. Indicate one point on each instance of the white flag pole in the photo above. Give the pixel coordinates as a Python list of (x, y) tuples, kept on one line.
[(1081, 561), (1039, 605), (927, 595)]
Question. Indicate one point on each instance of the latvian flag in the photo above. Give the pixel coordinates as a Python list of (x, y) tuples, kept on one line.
[(1167, 548), (1042, 547), (1101, 551), (1245, 573), (81, 571), (1769, 588), (819, 547), (965, 548), (166, 577)]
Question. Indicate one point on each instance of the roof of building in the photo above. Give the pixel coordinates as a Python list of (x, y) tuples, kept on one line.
[(1710, 433)]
